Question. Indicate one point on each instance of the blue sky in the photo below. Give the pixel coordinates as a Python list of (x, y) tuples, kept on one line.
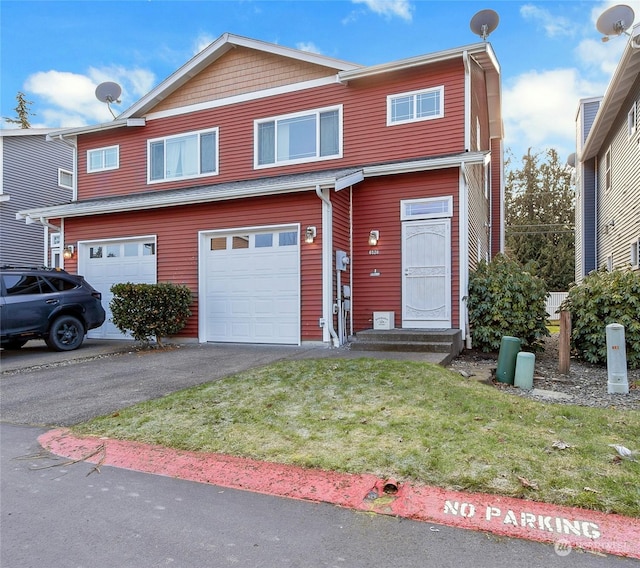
[(550, 53)]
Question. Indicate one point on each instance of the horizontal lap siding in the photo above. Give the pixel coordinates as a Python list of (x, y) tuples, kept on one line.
[(377, 206), (367, 139), (177, 241)]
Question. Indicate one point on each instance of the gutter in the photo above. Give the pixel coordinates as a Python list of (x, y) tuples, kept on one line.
[(327, 267)]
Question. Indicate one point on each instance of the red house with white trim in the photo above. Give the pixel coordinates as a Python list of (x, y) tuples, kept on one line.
[(295, 194)]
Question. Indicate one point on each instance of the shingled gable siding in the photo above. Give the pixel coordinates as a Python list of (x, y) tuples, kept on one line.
[(177, 242), (242, 71), (376, 205), (367, 139)]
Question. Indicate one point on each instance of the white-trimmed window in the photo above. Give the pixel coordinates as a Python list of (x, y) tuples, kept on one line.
[(101, 159), (428, 208), (610, 263), (183, 156), (632, 120), (65, 178), (414, 106), (296, 138), (634, 256)]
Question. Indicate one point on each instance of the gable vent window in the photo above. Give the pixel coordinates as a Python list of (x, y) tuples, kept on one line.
[(297, 138), (183, 156), (415, 106)]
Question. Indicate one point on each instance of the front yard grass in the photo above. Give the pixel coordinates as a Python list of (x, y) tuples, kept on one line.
[(413, 421)]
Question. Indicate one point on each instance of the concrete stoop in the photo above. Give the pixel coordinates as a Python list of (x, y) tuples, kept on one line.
[(445, 341)]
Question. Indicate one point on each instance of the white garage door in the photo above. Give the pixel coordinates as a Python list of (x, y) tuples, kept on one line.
[(250, 286), (106, 263)]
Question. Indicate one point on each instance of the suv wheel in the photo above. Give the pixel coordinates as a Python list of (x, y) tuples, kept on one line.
[(66, 333)]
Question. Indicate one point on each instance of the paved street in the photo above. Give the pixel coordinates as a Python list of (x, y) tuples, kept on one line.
[(71, 515)]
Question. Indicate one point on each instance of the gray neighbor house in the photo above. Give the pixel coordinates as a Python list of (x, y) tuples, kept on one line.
[(608, 171), (34, 172)]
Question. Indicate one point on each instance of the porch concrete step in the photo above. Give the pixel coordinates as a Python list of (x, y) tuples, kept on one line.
[(444, 341)]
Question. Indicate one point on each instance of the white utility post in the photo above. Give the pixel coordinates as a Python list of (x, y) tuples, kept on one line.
[(616, 360)]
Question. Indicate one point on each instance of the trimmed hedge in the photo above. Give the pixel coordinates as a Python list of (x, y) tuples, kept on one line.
[(600, 299), (150, 310), (505, 299)]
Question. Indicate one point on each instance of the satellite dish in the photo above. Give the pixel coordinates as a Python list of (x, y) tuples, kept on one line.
[(571, 160), (108, 92), (615, 21), (484, 22)]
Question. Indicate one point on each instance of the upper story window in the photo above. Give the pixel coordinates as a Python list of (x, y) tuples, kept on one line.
[(183, 156), (632, 120), (102, 159), (300, 137), (416, 105), (65, 178)]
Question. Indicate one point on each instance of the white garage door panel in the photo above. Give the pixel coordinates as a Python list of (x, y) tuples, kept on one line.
[(106, 263), (252, 295)]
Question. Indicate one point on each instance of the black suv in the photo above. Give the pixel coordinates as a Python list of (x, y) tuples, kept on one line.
[(47, 303)]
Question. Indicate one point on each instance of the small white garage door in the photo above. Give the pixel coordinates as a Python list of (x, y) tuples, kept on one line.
[(106, 263), (250, 286)]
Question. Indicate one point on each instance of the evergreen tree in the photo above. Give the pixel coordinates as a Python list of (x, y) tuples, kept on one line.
[(22, 112), (540, 220)]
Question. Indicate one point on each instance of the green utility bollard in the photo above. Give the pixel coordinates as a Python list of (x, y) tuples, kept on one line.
[(509, 348), (525, 364)]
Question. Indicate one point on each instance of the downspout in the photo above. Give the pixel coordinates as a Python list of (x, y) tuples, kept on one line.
[(327, 267), (463, 222)]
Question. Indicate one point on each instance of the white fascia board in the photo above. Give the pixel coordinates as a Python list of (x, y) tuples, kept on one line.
[(233, 190), (410, 62), (424, 165)]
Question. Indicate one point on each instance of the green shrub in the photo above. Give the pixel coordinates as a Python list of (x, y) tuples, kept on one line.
[(602, 298), (150, 310), (505, 299)]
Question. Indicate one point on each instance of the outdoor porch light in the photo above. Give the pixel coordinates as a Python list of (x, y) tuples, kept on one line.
[(374, 236), (68, 251), (310, 234)]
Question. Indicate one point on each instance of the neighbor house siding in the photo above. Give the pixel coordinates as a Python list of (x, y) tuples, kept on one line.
[(29, 166), (478, 213), (377, 206), (619, 207), (367, 138), (177, 240)]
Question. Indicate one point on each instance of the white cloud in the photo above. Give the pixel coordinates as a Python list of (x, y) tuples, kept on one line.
[(308, 46), (201, 42), (389, 8), (539, 109), (552, 24), (68, 99)]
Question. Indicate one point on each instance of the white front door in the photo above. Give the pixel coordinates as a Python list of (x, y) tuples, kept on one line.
[(426, 274)]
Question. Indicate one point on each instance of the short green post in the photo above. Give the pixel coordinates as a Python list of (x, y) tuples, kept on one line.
[(509, 349)]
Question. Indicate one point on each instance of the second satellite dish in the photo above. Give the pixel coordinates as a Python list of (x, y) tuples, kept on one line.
[(484, 22), (615, 21)]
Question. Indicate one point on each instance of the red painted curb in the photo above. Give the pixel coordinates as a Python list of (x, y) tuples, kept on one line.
[(567, 527)]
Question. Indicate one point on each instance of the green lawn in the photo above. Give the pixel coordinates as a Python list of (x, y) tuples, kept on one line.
[(413, 421)]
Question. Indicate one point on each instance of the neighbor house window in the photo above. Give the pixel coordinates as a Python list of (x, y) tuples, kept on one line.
[(65, 178), (414, 106), (607, 170), (102, 159), (635, 254), (632, 119), (300, 137), (183, 156)]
